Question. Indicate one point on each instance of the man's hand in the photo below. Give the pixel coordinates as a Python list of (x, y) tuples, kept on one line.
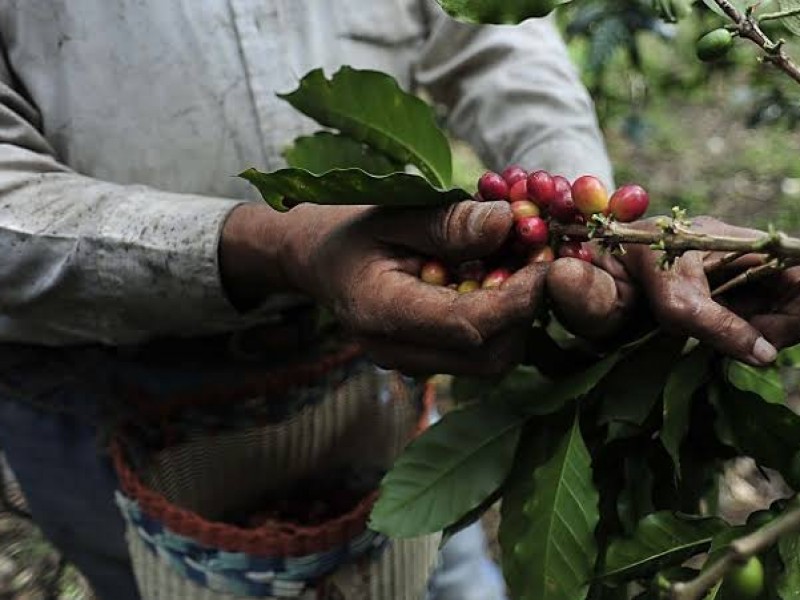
[(748, 324), (364, 264)]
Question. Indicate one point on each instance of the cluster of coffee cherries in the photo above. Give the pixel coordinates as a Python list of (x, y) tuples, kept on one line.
[(537, 198)]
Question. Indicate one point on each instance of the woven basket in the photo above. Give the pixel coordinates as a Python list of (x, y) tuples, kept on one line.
[(185, 467)]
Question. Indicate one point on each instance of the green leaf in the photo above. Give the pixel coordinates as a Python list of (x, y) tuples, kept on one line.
[(762, 381), (788, 584), (547, 534), (661, 539), (499, 11), (370, 107), (448, 471), (632, 389), (790, 357), (608, 35), (791, 23), (770, 433), (686, 378), (325, 151), (288, 187)]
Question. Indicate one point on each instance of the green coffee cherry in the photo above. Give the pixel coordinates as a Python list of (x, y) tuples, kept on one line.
[(745, 582), (714, 45)]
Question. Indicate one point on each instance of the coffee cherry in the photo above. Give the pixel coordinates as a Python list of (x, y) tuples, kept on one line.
[(541, 188), (519, 191), (562, 206), (590, 195), (513, 174), (544, 254), (628, 203), (524, 208), (470, 285), (492, 186), (434, 273), (472, 269), (714, 45), (576, 250), (745, 582), (495, 278), (533, 231)]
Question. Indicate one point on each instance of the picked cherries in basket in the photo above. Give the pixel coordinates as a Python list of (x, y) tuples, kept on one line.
[(537, 199)]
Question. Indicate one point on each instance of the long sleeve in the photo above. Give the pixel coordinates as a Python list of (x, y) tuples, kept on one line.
[(514, 95), (89, 261)]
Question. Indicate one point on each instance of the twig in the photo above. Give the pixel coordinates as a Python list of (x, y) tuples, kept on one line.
[(737, 553), (747, 27), (723, 261), (680, 239), (749, 276), (779, 15)]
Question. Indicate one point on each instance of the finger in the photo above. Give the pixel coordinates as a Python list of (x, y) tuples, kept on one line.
[(589, 301), (460, 231), (401, 307), (497, 356)]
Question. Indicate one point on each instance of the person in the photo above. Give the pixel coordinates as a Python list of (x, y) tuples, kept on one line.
[(127, 243)]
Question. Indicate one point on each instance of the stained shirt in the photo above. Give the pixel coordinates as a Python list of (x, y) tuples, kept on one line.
[(124, 122)]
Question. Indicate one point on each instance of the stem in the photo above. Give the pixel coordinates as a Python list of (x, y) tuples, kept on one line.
[(779, 15), (737, 553), (681, 239), (747, 27)]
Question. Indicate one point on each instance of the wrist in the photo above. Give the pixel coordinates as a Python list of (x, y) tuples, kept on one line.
[(249, 250)]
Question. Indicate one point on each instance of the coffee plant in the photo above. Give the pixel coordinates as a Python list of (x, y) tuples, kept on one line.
[(606, 459)]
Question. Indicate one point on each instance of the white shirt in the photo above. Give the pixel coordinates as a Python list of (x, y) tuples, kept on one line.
[(123, 123)]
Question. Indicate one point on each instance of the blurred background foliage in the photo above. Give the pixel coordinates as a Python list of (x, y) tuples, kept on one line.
[(720, 139)]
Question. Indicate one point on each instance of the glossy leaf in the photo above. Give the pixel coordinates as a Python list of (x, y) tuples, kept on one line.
[(499, 11), (763, 381), (448, 471), (685, 379), (661, 539), (325, 151), (632, 389), (790, 357), (548, 527), (370, 107), (770, 433), (791, 23), (288, 187)]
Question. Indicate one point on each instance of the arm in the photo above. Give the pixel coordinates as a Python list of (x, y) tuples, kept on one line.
[(514, 94), (89, 261)]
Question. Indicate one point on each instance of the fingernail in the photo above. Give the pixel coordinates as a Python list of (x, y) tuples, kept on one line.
[(764, 352)]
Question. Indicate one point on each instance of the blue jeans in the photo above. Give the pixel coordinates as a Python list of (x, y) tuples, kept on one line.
[(69, 485)]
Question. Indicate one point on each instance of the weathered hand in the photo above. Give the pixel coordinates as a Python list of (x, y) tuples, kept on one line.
[(364, 264), (747, 324)]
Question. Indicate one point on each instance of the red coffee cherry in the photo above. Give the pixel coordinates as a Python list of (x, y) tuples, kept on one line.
[(544, 254), (533, 231), (576, 250), (524, 208), (470, 285), (495, 278), (562, 206), (590, 195), (628, 203), (492, 186), (434, 273), (513, 174), (518, 191), (541, 188)]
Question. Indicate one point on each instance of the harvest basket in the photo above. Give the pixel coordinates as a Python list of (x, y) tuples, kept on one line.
[(202, 478)]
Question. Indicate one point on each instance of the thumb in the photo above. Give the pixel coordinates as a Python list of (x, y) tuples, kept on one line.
[(457, 232)]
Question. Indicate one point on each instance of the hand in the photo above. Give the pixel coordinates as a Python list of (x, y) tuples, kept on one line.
[(747, 325), (364, 264)]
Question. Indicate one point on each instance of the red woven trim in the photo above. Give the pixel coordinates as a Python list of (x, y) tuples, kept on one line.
[(252, 386), (269, 540)]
